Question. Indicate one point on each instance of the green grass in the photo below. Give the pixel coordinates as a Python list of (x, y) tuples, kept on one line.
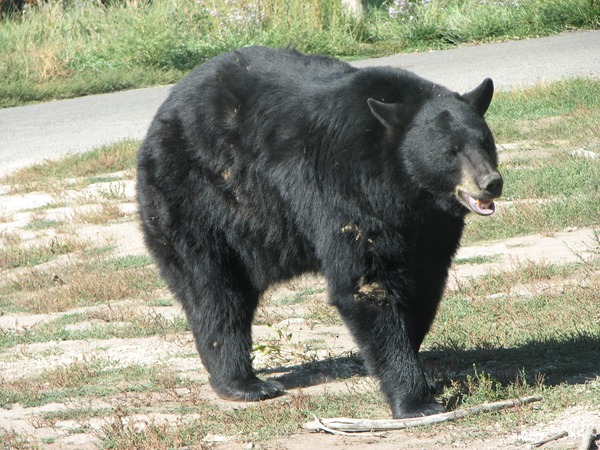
[(477, 260), (562, 176), (523, 218), (63, 49), (128, 262), (551, 320), (75, 413), (86, 378), (523, 328), (17, 254), (121, 324), (161, 302), (42, 224), (298, 297), (88, 282), (545, 100), (53, 175), (437, 23), (563, 110)]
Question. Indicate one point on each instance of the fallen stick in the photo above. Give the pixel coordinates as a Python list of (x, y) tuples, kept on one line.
[(588, 439), (362, 425), (325, 428), (555, 437)]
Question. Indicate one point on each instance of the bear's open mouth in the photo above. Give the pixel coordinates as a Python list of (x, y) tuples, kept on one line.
[(479, 206)]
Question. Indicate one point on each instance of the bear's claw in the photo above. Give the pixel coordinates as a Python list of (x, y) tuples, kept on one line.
[(251, 390)]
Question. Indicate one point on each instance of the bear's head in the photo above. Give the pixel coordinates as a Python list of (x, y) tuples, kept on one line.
[(446, 147)]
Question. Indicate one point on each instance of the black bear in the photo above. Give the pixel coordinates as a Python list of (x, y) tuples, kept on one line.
[(263, 164)]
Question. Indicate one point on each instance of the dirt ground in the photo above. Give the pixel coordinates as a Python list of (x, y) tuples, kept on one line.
[(29, 359)]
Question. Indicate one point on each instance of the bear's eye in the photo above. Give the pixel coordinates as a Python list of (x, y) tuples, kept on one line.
[(490, 146), (452, 151)]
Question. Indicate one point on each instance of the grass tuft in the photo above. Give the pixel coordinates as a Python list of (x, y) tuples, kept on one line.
[(18, 254), (92, 377), (105, 159), (85, 283)]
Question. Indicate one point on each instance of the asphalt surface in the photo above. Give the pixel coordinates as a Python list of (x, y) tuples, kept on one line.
[(33, 133)]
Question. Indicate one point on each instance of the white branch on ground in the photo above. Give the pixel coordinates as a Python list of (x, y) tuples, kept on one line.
[(364, 425)]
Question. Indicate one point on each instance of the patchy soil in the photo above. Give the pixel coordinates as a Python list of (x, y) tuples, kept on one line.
[(334, 367)]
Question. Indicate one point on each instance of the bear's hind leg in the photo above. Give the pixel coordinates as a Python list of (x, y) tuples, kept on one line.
[(219, 305)]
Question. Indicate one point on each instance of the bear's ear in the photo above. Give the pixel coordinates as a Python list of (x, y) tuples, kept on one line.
[(481, 97), (386, 113)]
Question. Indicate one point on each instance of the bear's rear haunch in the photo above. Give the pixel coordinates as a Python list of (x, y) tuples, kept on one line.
[(264, 164)]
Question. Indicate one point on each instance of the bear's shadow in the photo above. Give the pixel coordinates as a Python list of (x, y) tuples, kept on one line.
[(548, 362), (314, 373)]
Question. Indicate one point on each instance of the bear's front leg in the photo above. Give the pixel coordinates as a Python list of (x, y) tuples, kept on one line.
[(384, 331)]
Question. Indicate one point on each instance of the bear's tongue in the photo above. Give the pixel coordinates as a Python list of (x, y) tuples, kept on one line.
[(482, 207)]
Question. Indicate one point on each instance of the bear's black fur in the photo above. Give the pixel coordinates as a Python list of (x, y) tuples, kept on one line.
[(264, 164)]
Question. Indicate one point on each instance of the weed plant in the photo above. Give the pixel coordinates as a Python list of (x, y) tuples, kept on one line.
[(66, 48)]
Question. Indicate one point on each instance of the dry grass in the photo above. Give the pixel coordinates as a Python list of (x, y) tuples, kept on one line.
[(6, 216), (321, 312), (102, 213), (122, 433), (16, 253), (10, 439), (86, 282), (522, 274), (49, 64), (88, 377), (55, 176), (275, 418)]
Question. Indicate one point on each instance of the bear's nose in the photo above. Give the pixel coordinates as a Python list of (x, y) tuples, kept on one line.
[(492, 183)]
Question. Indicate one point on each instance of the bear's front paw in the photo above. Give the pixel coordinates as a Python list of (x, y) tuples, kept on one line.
[(417, 410), (251, 390)]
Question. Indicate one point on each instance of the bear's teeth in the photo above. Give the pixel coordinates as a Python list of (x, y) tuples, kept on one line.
[(483, 204), (485, 207), (479, 206)]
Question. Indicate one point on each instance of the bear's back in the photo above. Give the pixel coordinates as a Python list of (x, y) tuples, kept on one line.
[(268, 65)]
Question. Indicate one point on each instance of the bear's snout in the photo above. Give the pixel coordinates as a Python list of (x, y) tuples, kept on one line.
[(492, 184)]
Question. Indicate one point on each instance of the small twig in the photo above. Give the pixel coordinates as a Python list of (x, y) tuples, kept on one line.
[(554, 437), (588, 439), (321, 427), (360, 425)]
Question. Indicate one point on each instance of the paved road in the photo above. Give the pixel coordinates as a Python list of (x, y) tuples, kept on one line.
[(49, 130)]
